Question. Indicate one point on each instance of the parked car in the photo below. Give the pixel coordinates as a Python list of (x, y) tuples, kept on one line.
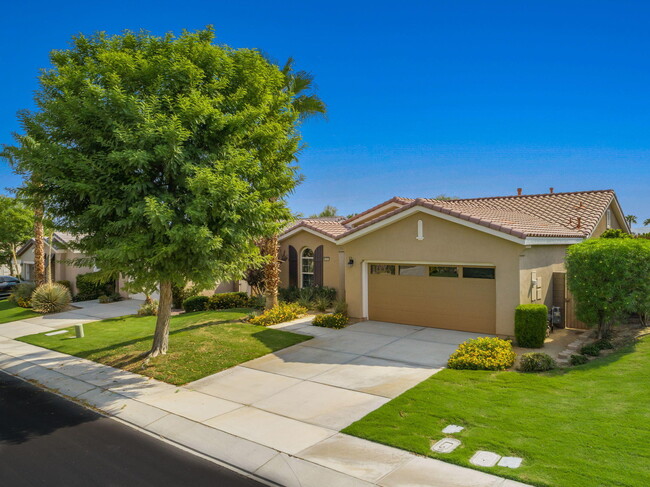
[(7, 284)]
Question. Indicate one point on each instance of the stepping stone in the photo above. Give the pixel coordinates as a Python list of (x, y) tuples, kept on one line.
[(484, 459), (61, 332), (452, 428), (510, 462), (446, 445)]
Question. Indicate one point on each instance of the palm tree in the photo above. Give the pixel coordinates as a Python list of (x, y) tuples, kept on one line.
[(646, 222), (630, 219), (300, 84)]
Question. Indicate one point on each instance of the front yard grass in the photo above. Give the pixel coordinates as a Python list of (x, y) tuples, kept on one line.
[(12, 312), (582, 427), (200, 344)]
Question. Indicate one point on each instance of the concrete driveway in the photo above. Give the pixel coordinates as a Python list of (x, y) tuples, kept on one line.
[(334, 379)]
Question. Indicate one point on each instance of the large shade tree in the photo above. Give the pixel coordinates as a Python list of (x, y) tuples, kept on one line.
[(16, 225), (169, 156)]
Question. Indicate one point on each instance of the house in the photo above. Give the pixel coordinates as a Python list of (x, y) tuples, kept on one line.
[(462, 264)]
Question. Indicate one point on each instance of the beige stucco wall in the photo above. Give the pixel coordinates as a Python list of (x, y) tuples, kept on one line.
[(444, 243), (602, 224), (305, 239), (63, 271), (544, 260)]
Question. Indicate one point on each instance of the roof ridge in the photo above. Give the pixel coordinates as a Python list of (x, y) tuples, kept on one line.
[(525, 195)]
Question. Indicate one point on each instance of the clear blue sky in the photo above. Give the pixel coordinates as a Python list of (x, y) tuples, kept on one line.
[(465, 98)]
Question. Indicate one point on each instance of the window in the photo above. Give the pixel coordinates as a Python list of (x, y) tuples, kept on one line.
[(478, 272), (307, 267), (441, 271), (609, 218), (28, 272), (412, 270), (382, 269)]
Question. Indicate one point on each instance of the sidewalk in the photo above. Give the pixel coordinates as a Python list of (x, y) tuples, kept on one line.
[(215, 417)]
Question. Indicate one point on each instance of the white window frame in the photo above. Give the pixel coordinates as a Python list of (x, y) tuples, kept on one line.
[(302, 258)]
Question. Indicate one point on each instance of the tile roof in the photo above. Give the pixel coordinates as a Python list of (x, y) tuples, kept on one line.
[(563, 215)]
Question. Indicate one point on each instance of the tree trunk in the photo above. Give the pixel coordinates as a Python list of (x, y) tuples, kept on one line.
[(269, 246), (49, 258), (161, 335), (39, 247), (15, 269)]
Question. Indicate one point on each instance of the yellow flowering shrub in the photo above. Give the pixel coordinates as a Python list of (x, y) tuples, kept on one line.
[(336, 320), (485, 353), (281, 313)]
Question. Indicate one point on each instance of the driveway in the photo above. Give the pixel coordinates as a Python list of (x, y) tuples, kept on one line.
[(83, 312)]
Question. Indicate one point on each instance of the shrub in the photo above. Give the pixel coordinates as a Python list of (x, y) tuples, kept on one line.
[(66, 283), (604, 344), (228, 301), (335, 320), (104, 299), (196, 303), (180, 294), (321, 303), (257, 302), (341, 307), (109, 298), (149, 308), (305, 302), (536, 362), (530, 325), (51, 298), (578, 359), (89, 287), (22, 295), (485, 353), (293, 294), (281, 313), (592, 350)]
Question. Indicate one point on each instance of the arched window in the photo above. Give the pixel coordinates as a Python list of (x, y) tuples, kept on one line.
[(307, 267)]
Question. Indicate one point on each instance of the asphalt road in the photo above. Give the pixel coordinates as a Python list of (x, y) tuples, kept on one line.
[(46, 440)]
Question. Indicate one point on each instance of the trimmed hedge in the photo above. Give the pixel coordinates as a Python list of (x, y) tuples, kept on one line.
[(195, 303), (88, 288), (336, 320), (530, 325), (229, 301), (484, 353), (536, 362)]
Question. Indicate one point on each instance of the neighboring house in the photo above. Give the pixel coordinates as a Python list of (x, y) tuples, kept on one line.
[(62, 254), (461, 264)]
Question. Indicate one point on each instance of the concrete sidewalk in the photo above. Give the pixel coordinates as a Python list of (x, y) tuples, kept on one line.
[(279, 416)]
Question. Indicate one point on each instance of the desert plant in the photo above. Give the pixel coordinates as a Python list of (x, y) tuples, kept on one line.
[(335, 320), (530, 325), (22, 295), (321, 303), (578, 359), (305, 302), (149, 308), (228, 301), (196, 303), (536, 362), (279, 314), (484, 353), (51, 298), (341, 307), (592, 350)]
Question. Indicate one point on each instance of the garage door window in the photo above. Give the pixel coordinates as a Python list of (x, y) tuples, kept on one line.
[(441, 271), (412, 270), (478, 272), (382, 269)]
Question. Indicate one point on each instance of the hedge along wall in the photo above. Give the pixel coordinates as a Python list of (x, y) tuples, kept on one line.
[(530, 325)]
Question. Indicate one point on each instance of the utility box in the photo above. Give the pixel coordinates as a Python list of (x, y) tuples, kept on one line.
[(79, 331)]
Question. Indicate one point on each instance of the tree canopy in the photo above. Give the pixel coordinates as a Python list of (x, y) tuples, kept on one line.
[(170, 156), (609, 279), (16, 224), (328, 211)]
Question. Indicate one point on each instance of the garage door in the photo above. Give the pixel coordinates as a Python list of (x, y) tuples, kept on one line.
[(452, 297)]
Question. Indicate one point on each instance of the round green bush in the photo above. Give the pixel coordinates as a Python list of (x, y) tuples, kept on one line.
[(196, 303), (336, 320), (578, 359), (51, 298), (485, 353), (530, 325), (228, 301), (536, 362), (592, 350)]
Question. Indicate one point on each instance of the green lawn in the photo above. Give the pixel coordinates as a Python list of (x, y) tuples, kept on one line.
[(10, 312), (200, 344), (584, 427)]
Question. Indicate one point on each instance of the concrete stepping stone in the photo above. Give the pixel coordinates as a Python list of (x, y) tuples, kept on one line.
[(446, 445), (485, 459), (510, 462), (452, 428)]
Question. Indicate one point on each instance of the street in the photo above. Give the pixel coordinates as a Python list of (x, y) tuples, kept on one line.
[(46, 440)]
